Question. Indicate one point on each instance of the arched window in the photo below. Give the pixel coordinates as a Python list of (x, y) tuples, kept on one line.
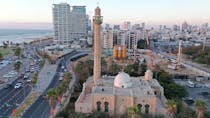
[(139, 107), (146, 109), (98, 106), (106, 108)]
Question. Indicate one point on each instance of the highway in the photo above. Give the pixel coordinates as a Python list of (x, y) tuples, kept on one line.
[(40, 108), (11, 98)]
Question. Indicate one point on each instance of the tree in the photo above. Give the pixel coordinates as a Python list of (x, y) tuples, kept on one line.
[(200, 107), (1, 55), (17, 65), (67, 76), (171, 106), (51, 97), (114, 69), (17, 51), (103, 66), (133, 111)]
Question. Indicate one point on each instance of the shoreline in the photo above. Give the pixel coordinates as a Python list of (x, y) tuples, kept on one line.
[(28, 40)]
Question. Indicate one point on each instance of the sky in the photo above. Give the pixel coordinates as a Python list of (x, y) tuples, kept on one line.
[(28, 13)]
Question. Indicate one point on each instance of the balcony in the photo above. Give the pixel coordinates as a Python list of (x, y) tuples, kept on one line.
[(98, 19)]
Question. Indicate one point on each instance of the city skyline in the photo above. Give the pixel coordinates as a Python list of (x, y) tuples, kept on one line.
[(153, 12)]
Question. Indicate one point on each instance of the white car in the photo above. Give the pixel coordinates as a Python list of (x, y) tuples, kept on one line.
[(13, 73), (28, 80), (60, 78), (18, 85)]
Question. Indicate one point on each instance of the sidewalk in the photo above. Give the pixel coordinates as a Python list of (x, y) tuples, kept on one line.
[(45, 76)]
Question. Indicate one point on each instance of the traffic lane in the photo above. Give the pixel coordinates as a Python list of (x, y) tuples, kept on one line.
[(8, 96), (14, 100), (42, 111), (40, 104)]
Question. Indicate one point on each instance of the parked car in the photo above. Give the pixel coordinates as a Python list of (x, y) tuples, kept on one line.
[(32, 70), (18, 85), (28, 80), (21, 75)]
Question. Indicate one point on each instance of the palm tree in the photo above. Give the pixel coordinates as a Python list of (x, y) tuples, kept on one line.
[(51, 97), (171, 106), (133, 111), (67, 76), (17, 65), (1, 55), (200, 107), (17, 51)]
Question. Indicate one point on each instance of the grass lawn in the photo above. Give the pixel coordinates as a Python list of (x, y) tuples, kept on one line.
[(6, 51)]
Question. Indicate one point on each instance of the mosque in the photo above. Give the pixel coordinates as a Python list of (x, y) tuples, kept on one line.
[(115, 94)]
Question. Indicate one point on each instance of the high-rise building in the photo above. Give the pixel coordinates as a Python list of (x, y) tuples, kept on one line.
[(69, 24), (116, 27), (108, 39), (78, 22), (132, 40), (97, 21), (61, 24), (126, 25)]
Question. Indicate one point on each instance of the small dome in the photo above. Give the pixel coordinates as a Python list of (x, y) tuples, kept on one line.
[(122, 80), (148, 75)]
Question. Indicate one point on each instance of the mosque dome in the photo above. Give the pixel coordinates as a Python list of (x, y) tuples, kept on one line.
[(122, 80)]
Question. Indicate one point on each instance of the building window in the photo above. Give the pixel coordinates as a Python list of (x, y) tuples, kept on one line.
[(146, 109), (139, 107), (98, 106), (106, 109)]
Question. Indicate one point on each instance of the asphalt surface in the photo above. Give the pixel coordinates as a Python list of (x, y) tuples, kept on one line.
[(41, 108), (11, 98)]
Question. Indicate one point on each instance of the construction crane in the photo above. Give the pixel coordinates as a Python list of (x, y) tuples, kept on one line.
[(179, 56), (150, 50)]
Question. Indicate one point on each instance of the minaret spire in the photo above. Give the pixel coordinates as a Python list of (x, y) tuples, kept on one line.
[(97, 21)]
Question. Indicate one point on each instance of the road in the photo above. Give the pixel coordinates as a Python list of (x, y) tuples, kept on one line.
[(41, 108), (11, 98)]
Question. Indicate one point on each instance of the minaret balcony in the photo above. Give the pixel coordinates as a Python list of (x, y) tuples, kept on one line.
[(98, 19)]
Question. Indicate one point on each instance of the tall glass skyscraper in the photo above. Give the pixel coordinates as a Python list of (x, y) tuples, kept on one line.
[(70, 23)]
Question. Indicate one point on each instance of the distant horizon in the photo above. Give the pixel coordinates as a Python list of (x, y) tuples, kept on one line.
[(49, 26), (152, 12)]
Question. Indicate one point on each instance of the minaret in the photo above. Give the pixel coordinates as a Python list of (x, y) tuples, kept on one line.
[(97, 20)]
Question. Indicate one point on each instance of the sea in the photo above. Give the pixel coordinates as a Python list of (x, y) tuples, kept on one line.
[(22, 35)]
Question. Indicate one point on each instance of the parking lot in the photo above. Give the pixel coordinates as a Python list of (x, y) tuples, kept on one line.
[(197, 92)]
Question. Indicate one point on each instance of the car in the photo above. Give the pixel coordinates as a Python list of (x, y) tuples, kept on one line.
[(60, 78), (61, 74), (32, 70), (204, 93), (6, 76), (13, 72), (28, 80), (7, 86), (18, 85), (21, 75), (26, 76)]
